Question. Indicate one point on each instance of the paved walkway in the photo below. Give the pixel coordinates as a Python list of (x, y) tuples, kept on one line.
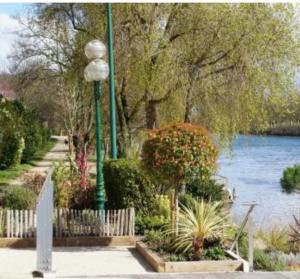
[(75, 262), (57, 153), (106, 262)]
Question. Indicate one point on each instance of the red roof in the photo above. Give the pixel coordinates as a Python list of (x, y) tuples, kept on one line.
[(6, 90)]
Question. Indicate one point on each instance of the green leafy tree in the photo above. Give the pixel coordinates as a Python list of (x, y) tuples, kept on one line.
[(200, 63), (177, 154)]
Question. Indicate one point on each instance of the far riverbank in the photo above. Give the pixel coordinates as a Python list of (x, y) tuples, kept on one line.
[(284, 129)]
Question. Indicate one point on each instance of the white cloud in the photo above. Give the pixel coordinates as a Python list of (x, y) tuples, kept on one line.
[(8, 28), (8, 24)]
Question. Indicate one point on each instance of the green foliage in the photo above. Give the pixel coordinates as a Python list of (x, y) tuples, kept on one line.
[(276, 239), (11, 150), (21, 134), (176, 258), (178, 152), (268, 262), (19, 197), (67, 190), (7, 175), (186, 200), (127, 186), (207, 189), (33, 136), (63, 191), (212, 51), (144, 224), (202, 222), (163, 206), (291, 179), (154, 238), (213, 253)]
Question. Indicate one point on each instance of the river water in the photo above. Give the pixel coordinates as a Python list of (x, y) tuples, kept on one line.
[(254, 168)]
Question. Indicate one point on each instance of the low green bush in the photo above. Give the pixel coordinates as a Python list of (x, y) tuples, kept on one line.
[(268, 262), (63, 186), (18, 197), (162, 207), (177, 258), (154, 239), (276, 239), (207, 189), (213, 253), (144, 224), (290, 180), (127, 186)]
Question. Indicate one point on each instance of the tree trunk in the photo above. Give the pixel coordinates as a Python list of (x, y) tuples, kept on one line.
[(124, 140), (188, 106), (197, 246), (151, 115), (176, 211)]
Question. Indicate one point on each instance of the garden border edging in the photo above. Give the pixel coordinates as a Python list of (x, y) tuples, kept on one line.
[(159, 265), (70, 241)]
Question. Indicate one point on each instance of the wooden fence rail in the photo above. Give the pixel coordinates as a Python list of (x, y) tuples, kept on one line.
[(69, 223)]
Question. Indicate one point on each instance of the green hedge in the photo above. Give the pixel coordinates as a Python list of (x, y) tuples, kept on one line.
[(21, 134), (127, 186)]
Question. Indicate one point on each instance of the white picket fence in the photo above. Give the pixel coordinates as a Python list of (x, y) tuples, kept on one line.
[(69, 223)]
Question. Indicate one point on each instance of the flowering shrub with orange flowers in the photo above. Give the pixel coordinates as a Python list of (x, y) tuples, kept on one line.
[(179, 152)]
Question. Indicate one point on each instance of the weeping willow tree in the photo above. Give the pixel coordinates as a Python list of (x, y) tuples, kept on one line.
[(240, 59), (230, 67)]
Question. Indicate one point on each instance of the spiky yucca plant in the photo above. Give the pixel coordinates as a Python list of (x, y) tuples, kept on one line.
[(203, 221)]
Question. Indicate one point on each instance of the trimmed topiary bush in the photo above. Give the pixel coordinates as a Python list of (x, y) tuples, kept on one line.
[(127, 186), (178, 153), (19, 197), (291, 179)]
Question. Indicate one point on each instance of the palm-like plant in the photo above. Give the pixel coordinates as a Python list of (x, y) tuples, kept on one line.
[(203, 221)]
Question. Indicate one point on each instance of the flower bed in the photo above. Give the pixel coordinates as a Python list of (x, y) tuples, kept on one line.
[(159, 264)]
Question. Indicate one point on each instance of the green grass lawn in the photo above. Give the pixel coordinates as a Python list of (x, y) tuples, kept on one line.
[(92, 158), (13, 172), (39, 155)]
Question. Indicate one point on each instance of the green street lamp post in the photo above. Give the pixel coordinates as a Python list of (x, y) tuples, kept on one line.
[(113, 129), (96, 71)]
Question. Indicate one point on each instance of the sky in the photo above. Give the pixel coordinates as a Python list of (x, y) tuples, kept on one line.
[(8, 25)]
